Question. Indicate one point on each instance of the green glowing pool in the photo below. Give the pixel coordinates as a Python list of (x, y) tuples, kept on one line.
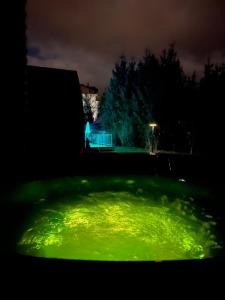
[(116, 219)]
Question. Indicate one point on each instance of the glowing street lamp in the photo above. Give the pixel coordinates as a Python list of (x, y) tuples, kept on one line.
[(153, 125)]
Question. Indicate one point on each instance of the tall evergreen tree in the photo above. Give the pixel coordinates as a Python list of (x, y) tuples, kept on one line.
[(123, 108), (210, 108), (113, 107), (170, 102), (88, 114), (157, 89)]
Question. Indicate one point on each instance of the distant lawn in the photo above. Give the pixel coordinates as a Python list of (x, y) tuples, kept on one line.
[(129, 150), (142, 150)]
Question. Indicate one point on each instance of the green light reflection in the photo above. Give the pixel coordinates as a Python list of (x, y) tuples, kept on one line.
[(119, 226)]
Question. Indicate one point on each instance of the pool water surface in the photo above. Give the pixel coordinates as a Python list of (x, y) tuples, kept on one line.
[(113, 218)]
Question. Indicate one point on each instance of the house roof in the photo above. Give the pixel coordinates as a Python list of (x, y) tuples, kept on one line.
[(86, 89)]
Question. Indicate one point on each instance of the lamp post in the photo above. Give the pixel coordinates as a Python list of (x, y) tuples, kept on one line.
[(153, 125)]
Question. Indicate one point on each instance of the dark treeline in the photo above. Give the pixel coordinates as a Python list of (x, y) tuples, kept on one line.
[(188, 111)]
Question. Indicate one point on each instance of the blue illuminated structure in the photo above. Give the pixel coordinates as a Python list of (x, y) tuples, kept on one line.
[(97, 139), (87, 130)]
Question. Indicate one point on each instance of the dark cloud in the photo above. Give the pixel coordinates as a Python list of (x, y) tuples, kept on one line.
[(35, 53), (90, 35)]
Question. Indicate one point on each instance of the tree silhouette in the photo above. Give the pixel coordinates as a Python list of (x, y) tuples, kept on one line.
[(157, 89), (88, 114)]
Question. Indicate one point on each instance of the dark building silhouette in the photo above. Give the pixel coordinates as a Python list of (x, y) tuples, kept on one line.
[(54, 117), (41, 108)]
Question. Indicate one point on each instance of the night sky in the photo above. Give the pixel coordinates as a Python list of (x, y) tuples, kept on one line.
[(90, 35)]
